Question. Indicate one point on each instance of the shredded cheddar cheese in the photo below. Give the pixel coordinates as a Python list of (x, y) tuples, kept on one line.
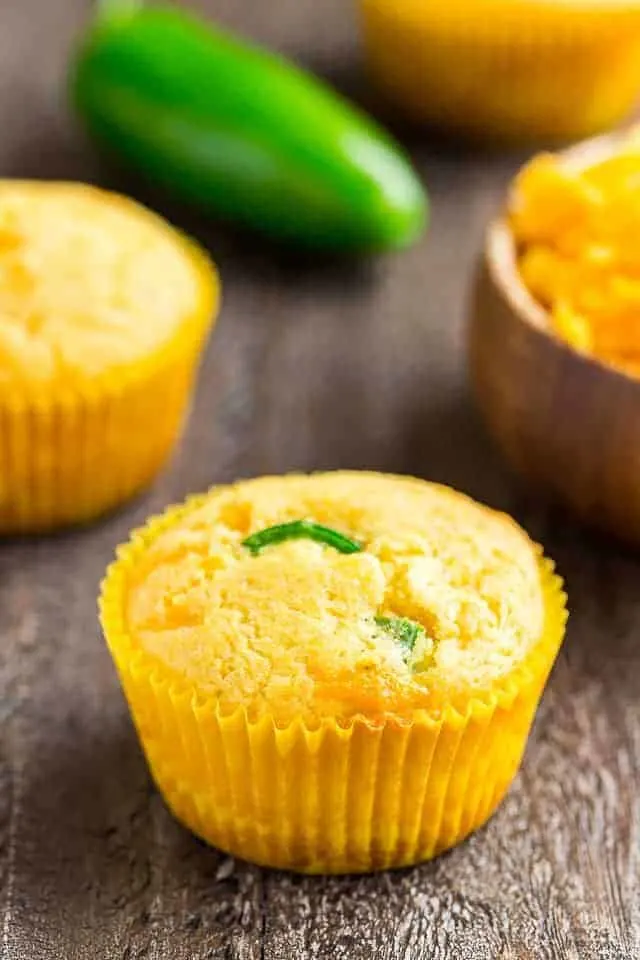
[(577, 232)]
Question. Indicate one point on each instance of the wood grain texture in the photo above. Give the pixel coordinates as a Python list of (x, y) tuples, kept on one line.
[(312, 365)]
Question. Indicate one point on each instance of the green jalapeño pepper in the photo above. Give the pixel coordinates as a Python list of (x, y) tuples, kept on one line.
[(241, 133)]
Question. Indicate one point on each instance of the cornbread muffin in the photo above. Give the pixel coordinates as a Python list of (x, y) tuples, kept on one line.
[(103, 312), (333, 672), (515, 70), (577, 228)]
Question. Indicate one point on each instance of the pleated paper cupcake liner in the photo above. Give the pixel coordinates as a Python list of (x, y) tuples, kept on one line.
[(506, 71), (328, 797), (67, 456)]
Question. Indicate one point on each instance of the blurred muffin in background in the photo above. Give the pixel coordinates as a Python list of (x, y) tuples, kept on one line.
[(513, 70), (104, 309)]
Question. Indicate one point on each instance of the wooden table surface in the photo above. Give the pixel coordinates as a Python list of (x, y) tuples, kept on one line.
[(312, 366)]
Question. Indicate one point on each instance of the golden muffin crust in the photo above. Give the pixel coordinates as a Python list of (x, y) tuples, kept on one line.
[(293, 631), (90, 282)]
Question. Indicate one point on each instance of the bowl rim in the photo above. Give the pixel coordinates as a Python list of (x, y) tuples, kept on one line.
[(501, 262)]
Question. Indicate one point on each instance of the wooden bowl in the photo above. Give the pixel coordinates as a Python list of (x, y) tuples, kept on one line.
[(568, 423)]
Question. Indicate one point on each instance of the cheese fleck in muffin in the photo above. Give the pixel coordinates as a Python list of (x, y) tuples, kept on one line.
[(351, 616)]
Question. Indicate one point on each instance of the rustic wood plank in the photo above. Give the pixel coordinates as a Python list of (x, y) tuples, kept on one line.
[(313, 365)]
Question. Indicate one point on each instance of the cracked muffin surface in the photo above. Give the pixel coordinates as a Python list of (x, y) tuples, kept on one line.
[(302, 629)]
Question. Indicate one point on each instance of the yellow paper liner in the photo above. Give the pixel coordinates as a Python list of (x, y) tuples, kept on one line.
[(69, 455), (329, 798), (503, 70)]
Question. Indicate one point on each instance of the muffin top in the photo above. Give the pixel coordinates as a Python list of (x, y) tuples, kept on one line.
[(418, 597), (90, 283)]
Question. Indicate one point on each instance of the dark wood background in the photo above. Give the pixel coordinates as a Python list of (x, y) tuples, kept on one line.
[(313, 365)]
